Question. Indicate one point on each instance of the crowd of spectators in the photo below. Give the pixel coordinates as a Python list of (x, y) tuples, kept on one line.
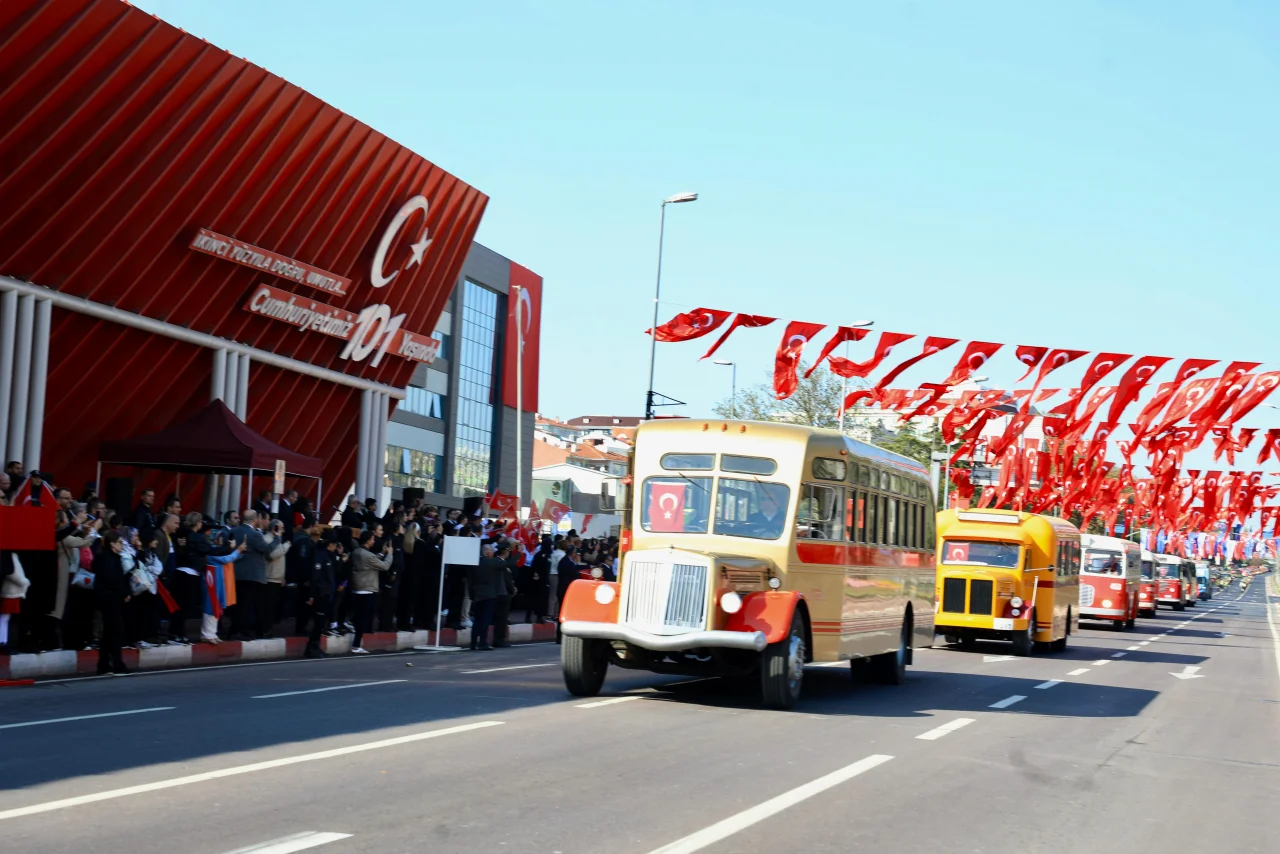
[(157, 575)]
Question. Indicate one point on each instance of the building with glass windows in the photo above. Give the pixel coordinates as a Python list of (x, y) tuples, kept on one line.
[(454, 434)]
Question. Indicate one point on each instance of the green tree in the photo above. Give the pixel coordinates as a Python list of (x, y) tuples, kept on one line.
[(815, 403)]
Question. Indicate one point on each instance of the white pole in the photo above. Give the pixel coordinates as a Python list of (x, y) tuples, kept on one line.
[(8, 338), (519, 402), (362, 446), (39, 379), (21, 380), (440, 601)]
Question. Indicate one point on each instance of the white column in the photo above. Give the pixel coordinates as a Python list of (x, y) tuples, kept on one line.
[(362, 445), (242, 389), (378, 462), (232, 389), (8, 333), (39, 382), (217, 391), (21, 379)]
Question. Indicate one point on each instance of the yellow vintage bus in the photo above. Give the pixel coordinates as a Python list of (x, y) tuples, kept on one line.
[(755, 548), (1007, 575)]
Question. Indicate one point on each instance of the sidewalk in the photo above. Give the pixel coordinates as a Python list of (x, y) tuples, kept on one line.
[(63, 663)]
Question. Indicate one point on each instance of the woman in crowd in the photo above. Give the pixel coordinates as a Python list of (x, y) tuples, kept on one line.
[(75, 580)]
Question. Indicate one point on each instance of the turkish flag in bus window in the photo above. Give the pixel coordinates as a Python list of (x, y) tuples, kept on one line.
[(666, 507), (957, 552)]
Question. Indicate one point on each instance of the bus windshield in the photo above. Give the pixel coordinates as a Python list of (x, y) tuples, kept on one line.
[(981, 553), (1102, 563), (1147, 570), (751, 508), (676, 504)]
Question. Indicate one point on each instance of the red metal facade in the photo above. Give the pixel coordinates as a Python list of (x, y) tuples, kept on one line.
[(122, 137)]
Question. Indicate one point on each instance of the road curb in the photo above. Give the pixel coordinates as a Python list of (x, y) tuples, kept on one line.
[(60, 664)]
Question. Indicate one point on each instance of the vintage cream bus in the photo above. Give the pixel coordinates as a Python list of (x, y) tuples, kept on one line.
[(758, 547), (1110, 580)]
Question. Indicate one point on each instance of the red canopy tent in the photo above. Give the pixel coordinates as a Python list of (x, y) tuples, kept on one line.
[(213, 441)]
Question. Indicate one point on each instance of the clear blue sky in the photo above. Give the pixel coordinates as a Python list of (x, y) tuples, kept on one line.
[(1094, 175)]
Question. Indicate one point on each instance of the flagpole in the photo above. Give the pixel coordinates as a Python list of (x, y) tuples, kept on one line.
[(515, 291)]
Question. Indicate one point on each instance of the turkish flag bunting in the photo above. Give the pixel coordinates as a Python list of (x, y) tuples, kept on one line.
[(1261, 389), (794, 339), (1030, 356), (1152, 409), (843, 334), (1186, 399), (932, 345), (933, 404), (741, 320), (1191, 367), (1132, 383), (690, 325), (974, 357), (888, 340), (665, 510), (872, 394), (1103, 364), (1270, 445), (1056, 360), (1230, 386)]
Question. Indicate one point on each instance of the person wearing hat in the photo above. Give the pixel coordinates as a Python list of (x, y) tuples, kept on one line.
[(321, 586)]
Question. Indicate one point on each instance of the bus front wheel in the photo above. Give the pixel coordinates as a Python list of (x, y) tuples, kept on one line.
[(585, 663), (1060, 645), (891, 667), (1024, 643), (782, 667)]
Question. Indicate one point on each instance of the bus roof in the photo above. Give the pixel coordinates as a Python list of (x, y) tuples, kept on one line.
[(1098, 541), (786, 432)]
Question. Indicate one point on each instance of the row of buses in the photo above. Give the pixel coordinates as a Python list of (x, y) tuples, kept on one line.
[(756, 548)]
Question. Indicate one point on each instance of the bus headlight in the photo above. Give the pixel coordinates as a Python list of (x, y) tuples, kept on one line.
[(1015, 602), (1106, 603), (731, 603), (605, 593), (775, 582)]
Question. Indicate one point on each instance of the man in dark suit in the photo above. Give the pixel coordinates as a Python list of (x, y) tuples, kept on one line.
[(485, 581), (263, 504), (285, 514)]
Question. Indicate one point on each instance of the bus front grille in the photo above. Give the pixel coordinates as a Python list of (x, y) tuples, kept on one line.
[(953, 595), (665, 596), (980, 597)]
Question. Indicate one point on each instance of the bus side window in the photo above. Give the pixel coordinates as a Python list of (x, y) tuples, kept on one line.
[(820, 515), (860, 516), (891, 522), (873, 519)]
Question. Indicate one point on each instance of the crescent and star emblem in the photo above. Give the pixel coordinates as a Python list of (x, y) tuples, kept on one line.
[(376, 274), (662, 504)]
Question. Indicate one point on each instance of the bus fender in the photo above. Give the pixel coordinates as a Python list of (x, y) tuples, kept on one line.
[(768, 611), (581, 602)]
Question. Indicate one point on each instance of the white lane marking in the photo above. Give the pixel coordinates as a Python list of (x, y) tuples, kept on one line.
[(111, 794), (1101, 662), (294, 842), (1156, 638), (1007, 702), (1132, 648), (1275, 634), (608, 702), (935, 734), (1144, 643), (987, 659), (1043, 685), (828, 664), (88, 717), (1079, 672), (1119, 654), (1188, 672), (512, 667), (741, 821), (330, 688)]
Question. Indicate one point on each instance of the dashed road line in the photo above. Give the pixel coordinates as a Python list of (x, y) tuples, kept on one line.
[(1132, 648), (512, 667), (112, 794), (1119, 654), (330, 688), (88, 717), (1079, 672), (1045, 685), (939, 732), (748, 817), (608, 702), (1007, 702), (294, 842), (1101, 662)]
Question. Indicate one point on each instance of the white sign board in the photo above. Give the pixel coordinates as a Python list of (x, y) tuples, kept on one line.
[(277, 485), (463, 551)]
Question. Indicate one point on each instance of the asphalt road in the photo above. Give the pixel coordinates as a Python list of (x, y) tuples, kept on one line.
[(1118, 744)]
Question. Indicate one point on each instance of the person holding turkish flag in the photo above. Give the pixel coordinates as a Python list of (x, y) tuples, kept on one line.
[(690, 325), (785, 362), (665, 508)]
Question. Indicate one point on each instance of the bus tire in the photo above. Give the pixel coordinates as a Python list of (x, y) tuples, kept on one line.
[(584, 662), (1060, 645), (1024, 643), (890, 668), (782, 667), (1180, 607), (968, 642)]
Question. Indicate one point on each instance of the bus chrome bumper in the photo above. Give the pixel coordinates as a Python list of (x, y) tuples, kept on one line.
[(1102, 612), (753, 641)]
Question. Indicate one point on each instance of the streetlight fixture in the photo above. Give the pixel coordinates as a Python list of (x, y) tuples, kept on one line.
[(678, 198), (844, 381), (733, 399)]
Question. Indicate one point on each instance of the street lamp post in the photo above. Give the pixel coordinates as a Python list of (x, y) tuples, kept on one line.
[(733, 393), (678, 198), (844, 381)]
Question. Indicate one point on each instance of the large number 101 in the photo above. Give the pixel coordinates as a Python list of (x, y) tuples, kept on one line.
[(375, 327)]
